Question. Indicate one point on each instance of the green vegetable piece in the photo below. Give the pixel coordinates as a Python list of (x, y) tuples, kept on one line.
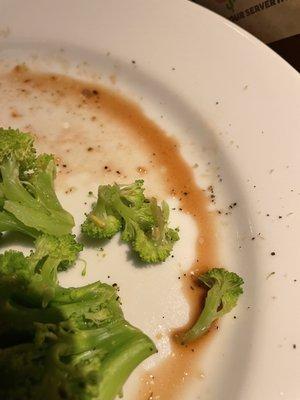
[(133, 194), (36, 205), (61, 252), (102, 222), (37, 273), (76, 346), (147, 229), (156, 244), (143, 223), (9, 223), (27, 186), (19, 145), (224, 290)]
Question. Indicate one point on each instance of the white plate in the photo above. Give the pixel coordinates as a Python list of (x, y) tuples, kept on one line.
[(231, 102)]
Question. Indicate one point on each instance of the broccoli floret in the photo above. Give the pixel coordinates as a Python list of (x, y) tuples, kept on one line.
[(37, 273), (143, 222), (147, 229), (102, 222), (53, 254), (224, 290), (61, 252), (19, 145), (133, 194), (42, 163), (34, 203), (27, 185), (77, 346), (156, 244)]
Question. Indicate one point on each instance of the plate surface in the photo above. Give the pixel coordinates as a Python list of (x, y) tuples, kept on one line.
[(234, 106)]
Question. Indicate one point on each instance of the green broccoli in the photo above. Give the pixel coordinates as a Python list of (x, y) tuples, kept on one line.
[(2, 199), (224, 290), (9, 223), (143, 222), (19, 145), (102, 222), (78, 346), (133, 194), (147, 229), (55, 253), (52, 254), (27, 186)]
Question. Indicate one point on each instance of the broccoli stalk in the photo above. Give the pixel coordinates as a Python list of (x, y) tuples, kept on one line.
[(77, 346), (86, 365), (9, 223), (224, 290)]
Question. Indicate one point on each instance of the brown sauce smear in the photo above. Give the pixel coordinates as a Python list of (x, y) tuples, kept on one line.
[(166, 381)]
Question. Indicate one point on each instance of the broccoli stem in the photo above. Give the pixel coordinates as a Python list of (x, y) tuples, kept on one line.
[(100, 291), (205, 320), (98, 211), (19, 317), (124, 211), (44, 189), (109, 337), (119, 364), (9, 223)]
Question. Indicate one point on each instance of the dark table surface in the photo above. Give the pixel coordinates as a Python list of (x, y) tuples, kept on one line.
[(289, 49)]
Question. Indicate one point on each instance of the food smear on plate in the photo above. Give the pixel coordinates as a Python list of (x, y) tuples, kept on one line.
[(94, 132)]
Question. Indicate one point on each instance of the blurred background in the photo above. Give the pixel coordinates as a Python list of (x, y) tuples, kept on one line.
[(275, 22)]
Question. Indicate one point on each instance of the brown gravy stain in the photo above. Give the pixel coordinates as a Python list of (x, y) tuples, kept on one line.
[(170, 375)]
